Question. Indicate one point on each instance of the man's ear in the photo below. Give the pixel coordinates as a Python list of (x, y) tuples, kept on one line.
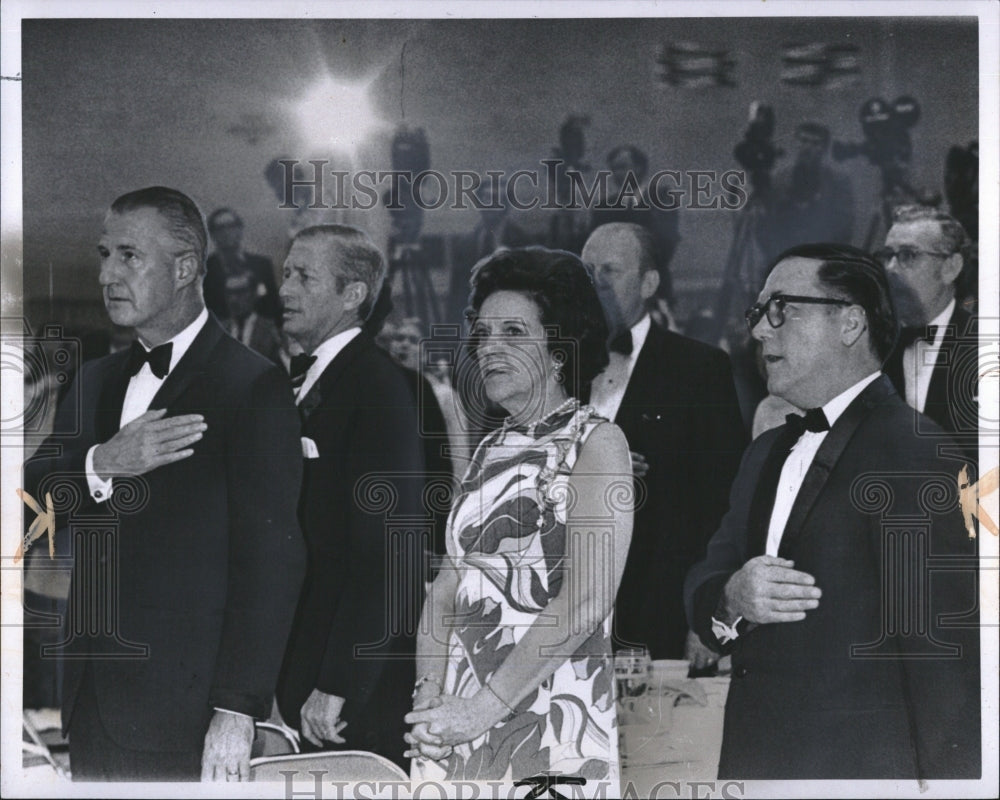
[(650, 283), (855, 323), (354, 294), (951, 268), (186, 268)]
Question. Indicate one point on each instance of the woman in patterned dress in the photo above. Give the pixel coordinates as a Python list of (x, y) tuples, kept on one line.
[(514, 655)]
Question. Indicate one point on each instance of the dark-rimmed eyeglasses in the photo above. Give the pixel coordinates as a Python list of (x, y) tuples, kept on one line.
[(774, 308), (906, 256)]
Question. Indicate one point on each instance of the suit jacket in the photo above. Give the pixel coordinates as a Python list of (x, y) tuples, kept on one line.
[(681, 412), (833, 696), (365, 568), (214, 287), (209, 551), (951, 396)]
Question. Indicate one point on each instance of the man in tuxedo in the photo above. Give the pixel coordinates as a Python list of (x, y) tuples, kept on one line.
[(627, 199), (349, 660), (404, 347), (934, 363), (853, 655), (676, 402), (192, 441)]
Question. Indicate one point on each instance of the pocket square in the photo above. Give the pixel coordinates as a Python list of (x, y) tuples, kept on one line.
[(309, 449)]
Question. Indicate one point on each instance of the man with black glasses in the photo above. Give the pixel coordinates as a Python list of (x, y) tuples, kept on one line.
[(934, 366), (804, 580)]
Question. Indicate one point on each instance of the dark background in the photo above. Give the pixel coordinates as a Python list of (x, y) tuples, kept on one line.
[(113, 105)]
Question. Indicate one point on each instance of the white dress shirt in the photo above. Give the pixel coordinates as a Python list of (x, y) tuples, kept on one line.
[(800, 459), (142, 388), (325, 353), (608, 388), (919, 360)]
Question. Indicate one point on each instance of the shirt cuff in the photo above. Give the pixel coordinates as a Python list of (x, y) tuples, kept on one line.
[(227, 711), (726, 633), (100, 489)]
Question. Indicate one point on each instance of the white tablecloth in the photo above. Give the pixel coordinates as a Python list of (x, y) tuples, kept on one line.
[(664, 741)]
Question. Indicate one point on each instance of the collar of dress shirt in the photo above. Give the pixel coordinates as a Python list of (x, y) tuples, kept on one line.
[(941, 320), (182, 341), (639, 332), (325, 353), (834, 408)]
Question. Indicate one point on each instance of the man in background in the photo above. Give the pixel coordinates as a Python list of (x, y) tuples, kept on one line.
[(809, 201), (244, 323), (493, 230), (676, 402), (628, 200), (229, 259), (934, 365)]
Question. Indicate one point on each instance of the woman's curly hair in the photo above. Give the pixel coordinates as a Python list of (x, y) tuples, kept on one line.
[(570, 310)]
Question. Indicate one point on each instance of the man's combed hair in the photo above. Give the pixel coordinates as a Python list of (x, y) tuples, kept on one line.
[(358, 259), (954, 239), (184, 219), (561, 287), (852, 274)]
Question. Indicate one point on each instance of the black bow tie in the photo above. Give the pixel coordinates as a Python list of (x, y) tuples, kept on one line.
[(814, 420), (158, 359), (298, 367), (622, 343), (907, 336)]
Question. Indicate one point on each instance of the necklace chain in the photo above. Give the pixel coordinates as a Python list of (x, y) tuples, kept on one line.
[(569, 403)]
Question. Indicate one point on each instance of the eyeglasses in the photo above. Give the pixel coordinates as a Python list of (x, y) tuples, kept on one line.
[(906, 256), (774, 308)]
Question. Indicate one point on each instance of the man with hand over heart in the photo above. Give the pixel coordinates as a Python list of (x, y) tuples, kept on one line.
[(841, 579), (187, 448)]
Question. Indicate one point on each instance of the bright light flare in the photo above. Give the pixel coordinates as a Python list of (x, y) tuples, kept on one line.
[(337, 114)]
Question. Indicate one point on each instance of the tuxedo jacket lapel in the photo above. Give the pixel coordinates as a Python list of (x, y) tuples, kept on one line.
[(829, 454), (310, 402), (643, 375), (945, 368), (191, 366), (324, 387), (112, 398)]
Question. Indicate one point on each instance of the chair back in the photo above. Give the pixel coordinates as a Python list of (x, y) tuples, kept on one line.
[(341, 765), (273, 739)]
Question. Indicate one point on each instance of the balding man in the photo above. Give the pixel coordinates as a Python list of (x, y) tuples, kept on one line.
[(853, 656), (934, 364), (207, 568), (676, 402), (349, 668)]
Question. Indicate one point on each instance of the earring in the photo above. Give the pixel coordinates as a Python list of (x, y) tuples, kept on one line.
[(557, 373)]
